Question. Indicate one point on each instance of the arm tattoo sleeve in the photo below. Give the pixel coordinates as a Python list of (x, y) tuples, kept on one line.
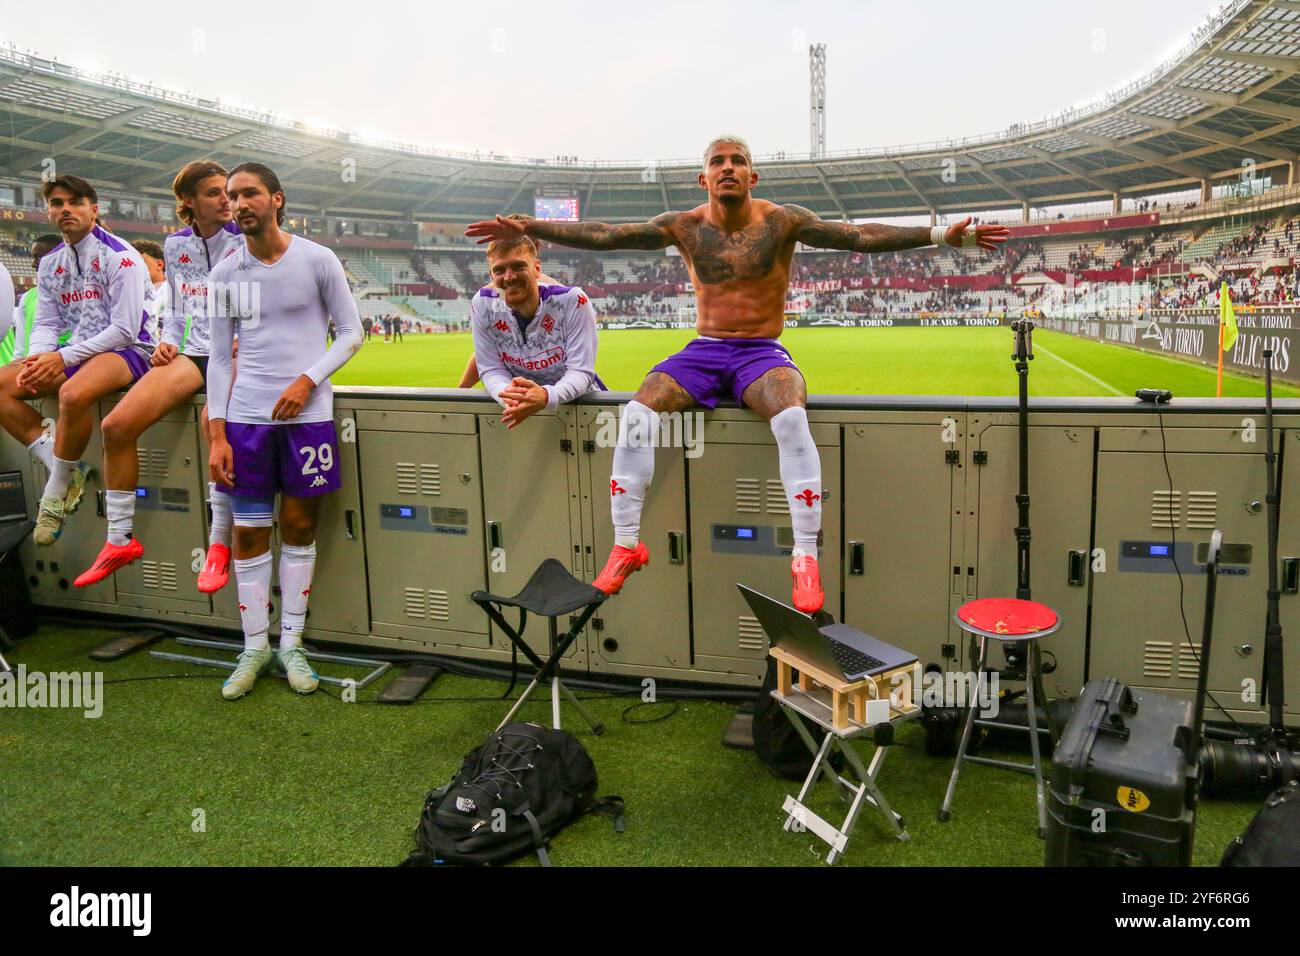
[(814, 231), (654, 234)]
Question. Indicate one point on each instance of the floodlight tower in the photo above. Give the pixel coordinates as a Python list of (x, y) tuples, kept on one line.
[(817, 99)]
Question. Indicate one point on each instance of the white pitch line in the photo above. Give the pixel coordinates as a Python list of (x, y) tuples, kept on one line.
[(1070, 365)]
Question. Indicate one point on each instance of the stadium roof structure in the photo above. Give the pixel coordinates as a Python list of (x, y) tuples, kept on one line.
[(1231, 95)]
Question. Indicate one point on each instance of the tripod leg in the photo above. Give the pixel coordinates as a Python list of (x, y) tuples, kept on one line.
[(597, 727), (1053, 731), (519, 703), (945, 810), (1035, 682)]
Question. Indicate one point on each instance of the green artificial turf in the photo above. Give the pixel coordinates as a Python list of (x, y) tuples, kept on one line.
[(881, 361), (283, 779)]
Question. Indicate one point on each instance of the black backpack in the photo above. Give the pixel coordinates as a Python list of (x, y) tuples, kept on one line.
[(1273, 837), (522, 786)]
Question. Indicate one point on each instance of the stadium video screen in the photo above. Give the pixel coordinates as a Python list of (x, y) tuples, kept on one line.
[(556, 208)]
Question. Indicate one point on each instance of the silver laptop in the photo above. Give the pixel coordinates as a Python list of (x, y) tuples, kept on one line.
[(13, 501), (836, 648)]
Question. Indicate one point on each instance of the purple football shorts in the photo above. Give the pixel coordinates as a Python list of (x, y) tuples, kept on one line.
[(710, 369), (298, 459), (134, 360)]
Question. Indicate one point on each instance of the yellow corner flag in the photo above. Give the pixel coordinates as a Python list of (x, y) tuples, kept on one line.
[(1227, 319)]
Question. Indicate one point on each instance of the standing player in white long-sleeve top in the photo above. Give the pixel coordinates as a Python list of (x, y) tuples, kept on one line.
[(272, 427), (94, 286)]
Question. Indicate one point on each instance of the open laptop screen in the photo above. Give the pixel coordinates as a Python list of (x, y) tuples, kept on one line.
[(13, 503)]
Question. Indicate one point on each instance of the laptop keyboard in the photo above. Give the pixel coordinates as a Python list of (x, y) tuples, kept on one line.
[(853, 661)]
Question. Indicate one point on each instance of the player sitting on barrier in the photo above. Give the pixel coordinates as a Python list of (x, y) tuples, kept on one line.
[(179, 370), (738, 251), (13, 345), (534, 342), (93, 285)]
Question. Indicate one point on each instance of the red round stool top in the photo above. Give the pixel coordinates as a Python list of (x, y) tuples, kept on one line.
[(1007, 619)]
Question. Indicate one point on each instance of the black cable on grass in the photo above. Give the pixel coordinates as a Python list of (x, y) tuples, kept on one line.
[(1173, 539), (128, 680), (649, 703)]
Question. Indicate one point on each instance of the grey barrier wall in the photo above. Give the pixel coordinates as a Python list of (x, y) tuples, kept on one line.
[(439, 500), (1194, 335)]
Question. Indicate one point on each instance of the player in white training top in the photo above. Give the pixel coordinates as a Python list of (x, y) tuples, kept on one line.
[(179, 369), (94, 285), (534, 344), (13, 346), (272, 427)]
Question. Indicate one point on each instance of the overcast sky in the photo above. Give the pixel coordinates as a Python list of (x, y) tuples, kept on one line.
[(619, 80)]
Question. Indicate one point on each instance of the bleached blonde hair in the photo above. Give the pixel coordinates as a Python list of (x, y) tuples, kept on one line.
[(708, 150)]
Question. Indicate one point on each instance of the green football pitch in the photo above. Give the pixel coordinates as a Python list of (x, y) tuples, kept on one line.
[(886, 361)]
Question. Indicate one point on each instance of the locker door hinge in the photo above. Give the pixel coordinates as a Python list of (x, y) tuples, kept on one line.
[(589, 446), (952, 456), (981, 458), (566, 445)]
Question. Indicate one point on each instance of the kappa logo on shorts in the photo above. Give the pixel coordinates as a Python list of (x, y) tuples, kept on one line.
[(318, 481)]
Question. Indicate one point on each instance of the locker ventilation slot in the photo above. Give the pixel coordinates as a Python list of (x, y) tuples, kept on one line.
[(1158, 660), (158, 575), (439, 607), (776, 500), (417, 605), (413, 479), (750, 634), (1166, 508), (1202, 509), (152, 461), (408, 478), (431, 605), (749, 496), (430, 480), (1189, 667)]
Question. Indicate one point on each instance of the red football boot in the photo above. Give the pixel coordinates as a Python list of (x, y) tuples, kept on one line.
[(113, 557), (622, 562), (216, 569), (808, 594)]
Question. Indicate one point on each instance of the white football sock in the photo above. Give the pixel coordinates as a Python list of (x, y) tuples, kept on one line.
[(634, 466), (221, 517), (60, 475), (253, 577), (296, 567), (121, 515), (801, 474), (43, 450)]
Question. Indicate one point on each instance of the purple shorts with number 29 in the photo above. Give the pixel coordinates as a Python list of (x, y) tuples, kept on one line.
[(296, 459)]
